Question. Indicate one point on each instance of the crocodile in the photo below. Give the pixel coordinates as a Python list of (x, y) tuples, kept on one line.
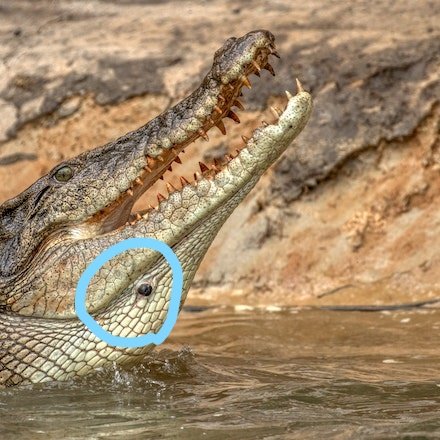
[(51, 232)]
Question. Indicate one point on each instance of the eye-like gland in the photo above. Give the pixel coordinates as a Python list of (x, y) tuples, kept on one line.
[(63, 174), (144, 289)]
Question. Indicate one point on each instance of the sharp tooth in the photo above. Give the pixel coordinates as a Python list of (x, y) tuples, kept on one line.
[(245, 139), (160, 158), (138, 216), (256, 65), (246, 82), (175, 151), (289, 96), (265, 124), (270, 69), (138, 181), (203, 167), (130, 192), (183, 181), (231, 87), (238, 104), (161, 177), (217, 163), (233, 116), (170, 188), (160, 197), (202, 133), (169, 168), (299, 86), (218, 109), (276, 112), (197, 176), (221, 126), (151, 162), (177, 159), (147, 168)]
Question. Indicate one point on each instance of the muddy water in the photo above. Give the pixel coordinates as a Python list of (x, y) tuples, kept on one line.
[(247, 375)]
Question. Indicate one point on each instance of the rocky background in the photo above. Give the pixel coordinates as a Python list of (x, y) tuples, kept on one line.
[(350, 215)]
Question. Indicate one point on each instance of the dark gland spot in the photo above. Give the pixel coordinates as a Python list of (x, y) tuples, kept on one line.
[(63, 174), (144, 289)]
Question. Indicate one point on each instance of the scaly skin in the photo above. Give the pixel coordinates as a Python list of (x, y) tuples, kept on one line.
[(52, 231)]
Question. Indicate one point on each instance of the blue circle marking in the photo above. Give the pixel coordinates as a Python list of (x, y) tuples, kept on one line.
[(173, 309)]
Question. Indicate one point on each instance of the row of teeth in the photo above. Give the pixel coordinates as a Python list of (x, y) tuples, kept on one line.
[(205, 169), (216, 166)]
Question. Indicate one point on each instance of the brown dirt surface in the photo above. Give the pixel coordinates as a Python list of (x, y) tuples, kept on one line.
[(348, 216)]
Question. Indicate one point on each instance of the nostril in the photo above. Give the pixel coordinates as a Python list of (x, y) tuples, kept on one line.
[(145, 289)]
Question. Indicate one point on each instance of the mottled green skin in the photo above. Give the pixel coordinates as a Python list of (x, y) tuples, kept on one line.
[(52, 231)]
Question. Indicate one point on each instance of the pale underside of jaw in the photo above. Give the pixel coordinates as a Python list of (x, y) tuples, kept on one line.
[(216, 197), (190, 218)]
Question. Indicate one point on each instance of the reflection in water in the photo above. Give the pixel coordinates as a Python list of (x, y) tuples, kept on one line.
[(293, 374)]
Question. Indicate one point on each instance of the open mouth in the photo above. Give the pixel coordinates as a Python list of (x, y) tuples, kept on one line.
[(217, 98)]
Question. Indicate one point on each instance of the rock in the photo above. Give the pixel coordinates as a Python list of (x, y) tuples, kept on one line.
[(69, 106), (348, 215), (8, 117)]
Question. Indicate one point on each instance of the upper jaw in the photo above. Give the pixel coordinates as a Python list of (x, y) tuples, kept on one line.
[(162, 140)]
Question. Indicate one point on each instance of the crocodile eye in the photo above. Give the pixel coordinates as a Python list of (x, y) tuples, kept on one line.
[(145, 289), (64, 174)]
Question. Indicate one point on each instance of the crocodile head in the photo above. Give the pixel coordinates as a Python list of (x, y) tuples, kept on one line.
[(51, 232)]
